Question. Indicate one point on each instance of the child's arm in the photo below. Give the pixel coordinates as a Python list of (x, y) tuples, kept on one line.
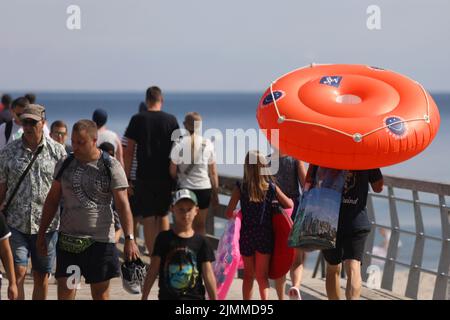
[(301, 171), (210, 280), (7, 259), (284, 200), (235, 197), (151, 276), (214, 177)]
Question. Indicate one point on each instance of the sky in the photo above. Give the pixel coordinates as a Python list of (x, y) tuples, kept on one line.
[(211, 45)]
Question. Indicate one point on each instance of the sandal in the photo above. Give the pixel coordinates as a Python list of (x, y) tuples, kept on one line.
[(294, 294)]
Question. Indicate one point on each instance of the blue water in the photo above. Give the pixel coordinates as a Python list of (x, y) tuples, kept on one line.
[(237, 110), (231, 111)]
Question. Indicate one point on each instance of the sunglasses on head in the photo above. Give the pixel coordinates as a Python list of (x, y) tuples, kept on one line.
[(29, 122)]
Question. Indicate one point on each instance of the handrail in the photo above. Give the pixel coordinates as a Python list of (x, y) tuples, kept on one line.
[(392, 183)]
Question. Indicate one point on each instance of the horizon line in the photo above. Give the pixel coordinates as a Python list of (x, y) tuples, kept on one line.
[(132, 91), (143, 91)]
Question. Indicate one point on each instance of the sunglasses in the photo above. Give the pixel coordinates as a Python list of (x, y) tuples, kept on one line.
[(29, 122), (59, 133)]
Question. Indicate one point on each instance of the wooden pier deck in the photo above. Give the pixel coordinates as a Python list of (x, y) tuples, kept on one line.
[(312, 289)]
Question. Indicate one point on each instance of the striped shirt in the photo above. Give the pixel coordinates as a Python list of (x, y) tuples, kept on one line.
[(134, 162)]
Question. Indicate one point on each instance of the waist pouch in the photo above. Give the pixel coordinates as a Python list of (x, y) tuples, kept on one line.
[(74, 244)]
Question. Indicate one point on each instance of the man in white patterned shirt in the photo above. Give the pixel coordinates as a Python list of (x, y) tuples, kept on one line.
[(24, 213)]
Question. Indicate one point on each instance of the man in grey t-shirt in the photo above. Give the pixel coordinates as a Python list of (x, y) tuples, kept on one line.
[(87, 183)]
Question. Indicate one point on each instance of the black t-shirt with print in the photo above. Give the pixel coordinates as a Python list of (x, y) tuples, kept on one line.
[(4, 230), (152, 131), (180, 273), (353, 214)]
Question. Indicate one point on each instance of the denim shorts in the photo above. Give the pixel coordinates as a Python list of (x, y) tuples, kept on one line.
[(23, 247)]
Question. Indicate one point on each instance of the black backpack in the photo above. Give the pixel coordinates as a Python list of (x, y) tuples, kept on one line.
[(105, 157)]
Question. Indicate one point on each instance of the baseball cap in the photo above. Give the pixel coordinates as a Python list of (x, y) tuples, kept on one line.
[(100, 117), (33, 111), (184, 194)]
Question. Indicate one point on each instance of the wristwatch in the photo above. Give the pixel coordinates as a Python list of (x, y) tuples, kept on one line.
[(129, 237)]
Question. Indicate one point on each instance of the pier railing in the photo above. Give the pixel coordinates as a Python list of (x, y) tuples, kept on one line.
[(393, 186), (436, 194)]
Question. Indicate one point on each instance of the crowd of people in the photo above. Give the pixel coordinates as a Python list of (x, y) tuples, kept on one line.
[(66, 206)]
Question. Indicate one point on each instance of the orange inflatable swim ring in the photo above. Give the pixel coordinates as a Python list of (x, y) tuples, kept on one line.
[(348, 116)]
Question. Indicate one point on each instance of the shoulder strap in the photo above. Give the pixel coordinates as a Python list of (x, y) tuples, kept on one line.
[(296, 163), (8, 130), (263, 213), (106, 158), (64, 166), (22, 177), (311, 175)]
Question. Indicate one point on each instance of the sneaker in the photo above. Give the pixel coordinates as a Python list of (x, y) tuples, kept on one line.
[(133, 276), (144, 251)]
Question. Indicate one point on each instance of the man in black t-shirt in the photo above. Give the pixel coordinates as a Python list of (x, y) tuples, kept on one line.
[(152, 131), (7, 258), (353, 229)]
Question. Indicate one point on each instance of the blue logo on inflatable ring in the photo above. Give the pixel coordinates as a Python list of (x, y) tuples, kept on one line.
[(333, 81), (268, 99), (395, 126)]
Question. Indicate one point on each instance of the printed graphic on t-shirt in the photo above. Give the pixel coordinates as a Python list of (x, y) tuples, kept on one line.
[(350, 183), (181, 270), (91, 186)]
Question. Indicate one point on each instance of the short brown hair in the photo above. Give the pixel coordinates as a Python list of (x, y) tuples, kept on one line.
[(153, 95), (58, 124), (88, 125), (20, 102)]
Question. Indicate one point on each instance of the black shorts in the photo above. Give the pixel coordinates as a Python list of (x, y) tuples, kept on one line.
[(152, 198), (98, 263), (348, 246), (203, 197)]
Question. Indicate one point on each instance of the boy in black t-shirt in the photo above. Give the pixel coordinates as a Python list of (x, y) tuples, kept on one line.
[(181, 257), (7, 258)]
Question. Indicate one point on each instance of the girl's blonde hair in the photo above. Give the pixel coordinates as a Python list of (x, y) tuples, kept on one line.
[(189, 123), (255, 177)]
